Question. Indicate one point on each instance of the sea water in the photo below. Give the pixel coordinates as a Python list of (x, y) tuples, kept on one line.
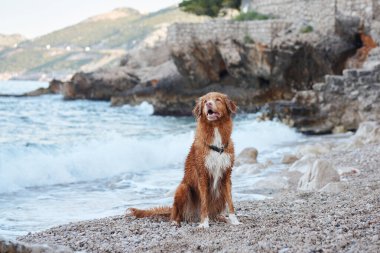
[(64, 161)]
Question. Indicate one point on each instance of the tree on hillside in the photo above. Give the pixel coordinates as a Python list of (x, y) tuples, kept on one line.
[(208, 7), (234, 4)]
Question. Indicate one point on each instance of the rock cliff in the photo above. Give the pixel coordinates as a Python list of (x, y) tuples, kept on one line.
[(274, 64), (338, 104), (253, 62)]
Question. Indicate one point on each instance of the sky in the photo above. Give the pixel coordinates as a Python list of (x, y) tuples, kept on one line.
[(33, 18)]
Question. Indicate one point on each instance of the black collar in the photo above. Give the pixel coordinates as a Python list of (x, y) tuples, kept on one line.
[(217, 149)]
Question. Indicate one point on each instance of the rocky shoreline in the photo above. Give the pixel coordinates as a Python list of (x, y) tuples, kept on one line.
[(317, 82), (331, 214), (320, 80)]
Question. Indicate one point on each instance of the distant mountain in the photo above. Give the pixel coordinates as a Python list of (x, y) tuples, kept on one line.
[(97, 32), (95, 42), (10, 40)]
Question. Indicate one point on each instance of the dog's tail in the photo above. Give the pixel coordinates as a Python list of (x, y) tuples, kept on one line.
[(163, 211)]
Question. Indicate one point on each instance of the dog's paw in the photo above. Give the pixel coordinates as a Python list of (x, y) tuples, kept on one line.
[(175, 223), (233, 220), (204, 224), (130, 211)]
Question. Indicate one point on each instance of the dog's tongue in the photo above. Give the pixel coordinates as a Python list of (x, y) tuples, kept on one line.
[(211, 115)]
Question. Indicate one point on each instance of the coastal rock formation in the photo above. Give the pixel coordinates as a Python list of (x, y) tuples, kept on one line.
[(293, 67), (253, 62), (55, 87), (99, 85), (341, 101)]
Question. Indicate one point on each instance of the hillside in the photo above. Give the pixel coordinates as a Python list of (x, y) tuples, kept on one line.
[(99, 41), (10, 40)]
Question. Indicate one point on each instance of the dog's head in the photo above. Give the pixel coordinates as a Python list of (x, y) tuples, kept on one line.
[(214, 106)]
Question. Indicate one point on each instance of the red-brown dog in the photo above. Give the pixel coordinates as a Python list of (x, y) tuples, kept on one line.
[(206, 186)]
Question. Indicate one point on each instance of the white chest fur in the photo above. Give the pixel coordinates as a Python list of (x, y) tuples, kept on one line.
[(215, 162)]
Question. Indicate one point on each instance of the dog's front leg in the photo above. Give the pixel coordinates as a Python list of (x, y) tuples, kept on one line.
[(231, 210), (203, 192)]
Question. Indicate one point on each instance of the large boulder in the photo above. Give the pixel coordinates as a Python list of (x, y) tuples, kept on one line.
[(289, 159), (99, 85), (368, 132), (247, 156), (303, 164), (317, 176)]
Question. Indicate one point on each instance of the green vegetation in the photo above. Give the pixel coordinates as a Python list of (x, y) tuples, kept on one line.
[(248, 39), (113, 33), (20, 60), (307, 29), (208, 7), (68, 62), (252, 15)]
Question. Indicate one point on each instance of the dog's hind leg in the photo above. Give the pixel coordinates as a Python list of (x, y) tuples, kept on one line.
[(182, 204)]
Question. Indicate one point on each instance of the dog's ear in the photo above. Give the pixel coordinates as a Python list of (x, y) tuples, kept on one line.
[(231, 106), (197, 111)]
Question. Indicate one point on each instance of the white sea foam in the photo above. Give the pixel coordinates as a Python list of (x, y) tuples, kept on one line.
[(265, 136), (29, 166), (34, 166)]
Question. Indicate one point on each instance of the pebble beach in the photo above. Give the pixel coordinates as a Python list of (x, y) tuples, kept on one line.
[(347, 220)]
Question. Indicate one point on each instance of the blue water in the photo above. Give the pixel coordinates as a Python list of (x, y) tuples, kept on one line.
[(63, 161)]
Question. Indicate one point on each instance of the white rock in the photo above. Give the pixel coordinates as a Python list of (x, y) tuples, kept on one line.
[(368, 132), (317, 176), (334, 187), (315, 149), (250, 168), (271, 184), (303, 164)]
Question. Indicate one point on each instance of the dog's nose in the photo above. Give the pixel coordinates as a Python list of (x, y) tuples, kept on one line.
[(209, 103)]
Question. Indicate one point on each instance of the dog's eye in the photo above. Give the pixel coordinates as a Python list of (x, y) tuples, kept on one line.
[(218, 100)]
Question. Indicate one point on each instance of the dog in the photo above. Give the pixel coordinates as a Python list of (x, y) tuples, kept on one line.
[(206, 186)]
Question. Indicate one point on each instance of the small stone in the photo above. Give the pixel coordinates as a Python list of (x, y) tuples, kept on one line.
[(289, 159), (334, 187)]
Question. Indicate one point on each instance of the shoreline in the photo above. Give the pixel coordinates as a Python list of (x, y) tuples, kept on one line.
[(343, 220)]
